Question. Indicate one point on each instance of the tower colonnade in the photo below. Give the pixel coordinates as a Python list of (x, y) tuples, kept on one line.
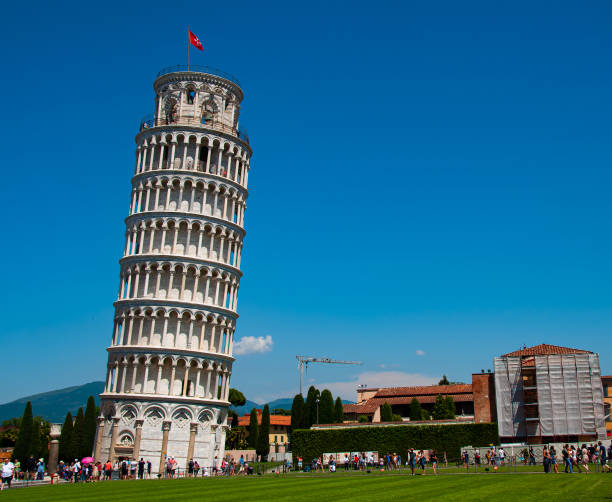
[(194, 152), (183, 194), (170, 354)]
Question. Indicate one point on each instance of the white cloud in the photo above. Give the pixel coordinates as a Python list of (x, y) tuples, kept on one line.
[(420, 352), (348, 390), (253, 345)]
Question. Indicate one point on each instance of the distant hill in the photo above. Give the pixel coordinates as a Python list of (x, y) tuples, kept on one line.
[(55, 404)]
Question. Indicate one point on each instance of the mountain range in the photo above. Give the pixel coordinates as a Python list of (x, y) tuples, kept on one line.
[(54, 405)]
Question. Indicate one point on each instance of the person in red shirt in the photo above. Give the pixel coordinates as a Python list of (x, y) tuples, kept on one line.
[(108, 470)]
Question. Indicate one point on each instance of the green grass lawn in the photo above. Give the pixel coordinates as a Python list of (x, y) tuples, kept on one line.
[(375, 487)]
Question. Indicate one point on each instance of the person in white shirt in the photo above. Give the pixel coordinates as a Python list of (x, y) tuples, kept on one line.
[(502, 456), (7, 473)]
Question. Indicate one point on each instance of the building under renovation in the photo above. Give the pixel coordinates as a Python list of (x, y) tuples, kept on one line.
[(539, 394), (548, 393)]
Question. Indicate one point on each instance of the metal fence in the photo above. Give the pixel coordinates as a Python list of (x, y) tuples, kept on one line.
[(150, 121), (198, 69)]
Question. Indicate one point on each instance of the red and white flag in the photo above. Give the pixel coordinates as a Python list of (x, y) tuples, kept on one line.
[(195, 40)]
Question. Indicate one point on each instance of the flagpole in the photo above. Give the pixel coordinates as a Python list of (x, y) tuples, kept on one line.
[(188, 43)]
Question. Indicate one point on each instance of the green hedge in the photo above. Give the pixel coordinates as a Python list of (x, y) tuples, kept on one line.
[(309, 444)]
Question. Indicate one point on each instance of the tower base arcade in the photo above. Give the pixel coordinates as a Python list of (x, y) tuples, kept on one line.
[(155, 431)]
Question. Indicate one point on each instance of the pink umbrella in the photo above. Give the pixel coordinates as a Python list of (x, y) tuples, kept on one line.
[(87, 460)]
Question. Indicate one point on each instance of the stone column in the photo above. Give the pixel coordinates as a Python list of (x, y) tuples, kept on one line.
[(54, 434), (144, 157), (148, 197), (170, 387), (111, 452), (146, 378), (207, 392), (99, 437), (193, 429), (162, 457), (136, 451)]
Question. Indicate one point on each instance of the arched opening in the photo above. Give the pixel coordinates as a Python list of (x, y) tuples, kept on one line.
[(190, 94)]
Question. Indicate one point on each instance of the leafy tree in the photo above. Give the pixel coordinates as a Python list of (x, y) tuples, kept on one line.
[(15, 421), (297, 411), (236, 397), (338, 411), (445, 381), (439, 409), (310, 409), (234, 420), (386, 413), (263, 438), (77, 434), (8, 436), (326, 407), (23, 445), (235, 439), (253, 429), (65, 440), (89, 428), (416, 412), (281, 411), (363, 419), (449, 404), (45, 431)]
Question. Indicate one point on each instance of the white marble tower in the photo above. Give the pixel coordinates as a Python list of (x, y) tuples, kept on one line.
[(170, 358)]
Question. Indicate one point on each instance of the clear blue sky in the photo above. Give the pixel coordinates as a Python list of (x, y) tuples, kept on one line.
[(427, 176)]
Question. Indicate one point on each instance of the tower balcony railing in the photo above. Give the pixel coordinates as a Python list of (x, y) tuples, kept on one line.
[(198, 69), (150, 121)]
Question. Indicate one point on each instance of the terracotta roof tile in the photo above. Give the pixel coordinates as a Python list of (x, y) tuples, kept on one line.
[(545, 350), (371, 405), (285, 420), (432, 390)]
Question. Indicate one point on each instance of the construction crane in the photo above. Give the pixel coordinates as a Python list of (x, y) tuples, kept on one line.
[(306, 360)]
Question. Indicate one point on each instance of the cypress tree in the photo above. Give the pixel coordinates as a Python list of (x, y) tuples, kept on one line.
[(310, 409), (439, 409), (386, 413), (449, 404), (338, 411), (263, 437), (326, 407), (416, 412), (23, 445), (36, 443), (253, 429), (297, 411), (65, 440), (77, 435), (89, 428)]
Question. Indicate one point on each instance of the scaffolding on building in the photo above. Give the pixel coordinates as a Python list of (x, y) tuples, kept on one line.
[(542, 397)]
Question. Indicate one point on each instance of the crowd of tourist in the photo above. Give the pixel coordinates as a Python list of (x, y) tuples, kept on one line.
[(416, 459), (577, 459), (573, 458)]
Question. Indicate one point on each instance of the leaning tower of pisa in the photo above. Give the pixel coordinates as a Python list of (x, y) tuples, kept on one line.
[(170, 357)]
